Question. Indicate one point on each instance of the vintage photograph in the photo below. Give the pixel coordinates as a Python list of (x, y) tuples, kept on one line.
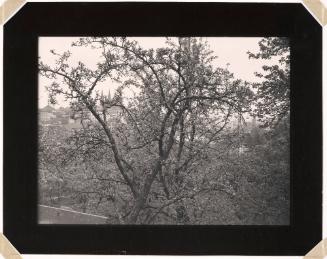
[(164, 130)]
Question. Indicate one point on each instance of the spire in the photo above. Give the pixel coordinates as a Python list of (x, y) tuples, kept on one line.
[(109, 95)]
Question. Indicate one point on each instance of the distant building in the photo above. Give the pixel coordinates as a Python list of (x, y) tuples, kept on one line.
[(49, 116), (47, 113)]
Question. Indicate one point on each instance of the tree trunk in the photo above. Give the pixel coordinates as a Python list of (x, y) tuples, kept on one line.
[(133, 217), (142, 198)]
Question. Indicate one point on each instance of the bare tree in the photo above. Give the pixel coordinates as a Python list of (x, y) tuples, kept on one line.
[(157, 145)]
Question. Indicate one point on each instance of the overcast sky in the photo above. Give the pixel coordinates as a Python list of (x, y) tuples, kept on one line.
[(231, 52)]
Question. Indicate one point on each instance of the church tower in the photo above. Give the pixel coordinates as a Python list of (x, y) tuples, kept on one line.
[(109, 95)]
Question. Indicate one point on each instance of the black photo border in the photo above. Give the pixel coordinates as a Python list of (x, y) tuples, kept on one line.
[(161, 19)]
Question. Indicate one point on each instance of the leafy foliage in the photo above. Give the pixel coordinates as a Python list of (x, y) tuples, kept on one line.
[(273, 94), (166, 155)]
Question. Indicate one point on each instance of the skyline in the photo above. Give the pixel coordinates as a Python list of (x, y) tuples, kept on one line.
[(231, 53)]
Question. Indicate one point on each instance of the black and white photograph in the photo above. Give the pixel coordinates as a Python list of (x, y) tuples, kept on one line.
[(164, 130)]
